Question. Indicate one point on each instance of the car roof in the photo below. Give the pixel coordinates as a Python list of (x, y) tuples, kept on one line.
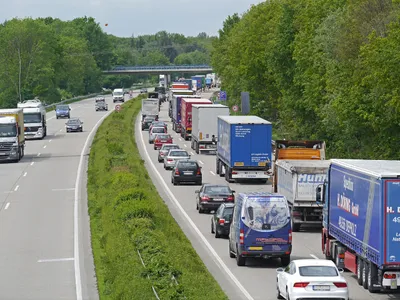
[(169, 145), (229, 204), (213, 184), (313, 262), (73, 119), (162, 127)]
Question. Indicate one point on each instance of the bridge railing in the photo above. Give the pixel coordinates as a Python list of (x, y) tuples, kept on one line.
[(172, 67)]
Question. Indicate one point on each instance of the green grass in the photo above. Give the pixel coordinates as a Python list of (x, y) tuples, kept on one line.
[(127, 214)]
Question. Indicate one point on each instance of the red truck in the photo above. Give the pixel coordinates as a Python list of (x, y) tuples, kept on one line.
[(180, 85), (186, 115)]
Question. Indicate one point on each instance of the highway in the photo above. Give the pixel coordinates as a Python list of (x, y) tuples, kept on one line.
[(45, 250), (257, 280)]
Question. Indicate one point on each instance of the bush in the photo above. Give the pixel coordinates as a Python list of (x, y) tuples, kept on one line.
[(127, 215)]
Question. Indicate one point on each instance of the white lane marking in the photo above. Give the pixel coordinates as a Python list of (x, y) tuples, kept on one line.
[(16, 188), (55, 260), (180, 139), (58, 190), (185, 145), (50, 141), (313, 256), (39, 154), (44, 146), (26, 173), (212, 173), (77, 266), (191, 153), (9, 192), (61, 130), (32, 163), (7, 205), (195, 228), (201, 162)]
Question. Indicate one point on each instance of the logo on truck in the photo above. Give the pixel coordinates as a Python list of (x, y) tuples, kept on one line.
[(311, 178), (348, 184)]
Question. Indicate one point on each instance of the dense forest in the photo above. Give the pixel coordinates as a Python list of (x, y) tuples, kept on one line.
[(53, 59), (319, 69)]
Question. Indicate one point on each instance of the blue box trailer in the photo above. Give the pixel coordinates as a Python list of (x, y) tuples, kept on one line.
[(244, 148), (198, 80), (189, 82), (361, 220)]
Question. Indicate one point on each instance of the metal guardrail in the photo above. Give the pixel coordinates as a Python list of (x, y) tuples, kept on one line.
[(53, 105), (172, 67)]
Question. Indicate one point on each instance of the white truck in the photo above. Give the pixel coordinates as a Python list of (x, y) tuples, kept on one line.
[(118, 95), (34, 119), (297, 180), (150, 107), (12, 138), (205, 126)]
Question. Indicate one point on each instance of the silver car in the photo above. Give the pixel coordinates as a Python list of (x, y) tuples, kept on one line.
[(154, 131), (173, 156), (164, 151)]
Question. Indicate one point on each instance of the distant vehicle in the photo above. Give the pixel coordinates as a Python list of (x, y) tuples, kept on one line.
[(154, 131), (159, 124), (162, 139), (146, 123), (311, 279), (186, 170), (173, 156), (12, 138), (150, 107), (63, 111), (35, 120), (100, 104), (164, 151), (74, 125), (221, 220), (143, 90), (260, 228), (211, 196), (118, 95)]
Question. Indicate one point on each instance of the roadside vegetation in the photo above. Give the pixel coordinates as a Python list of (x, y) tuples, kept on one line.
[(325, 69), (127, 215)]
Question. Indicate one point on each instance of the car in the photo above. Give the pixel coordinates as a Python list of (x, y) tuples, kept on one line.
[(154, 131), (311, 279), (221, 220), (186, 170), (211, 196), (159, 124), (100, 104), (74, 125), (162, 139), (63, 111), (146, 123), (143, 90), (173, 156), (164, 151)]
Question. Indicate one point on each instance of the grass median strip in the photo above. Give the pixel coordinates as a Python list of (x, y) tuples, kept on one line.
[(127, 215)]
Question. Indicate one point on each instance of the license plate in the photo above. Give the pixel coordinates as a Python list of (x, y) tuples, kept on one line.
[(187, 173), (255, 248), (218, 199), (2, 153), (251, 176), (163, 141), (321, 287), (393, 284)]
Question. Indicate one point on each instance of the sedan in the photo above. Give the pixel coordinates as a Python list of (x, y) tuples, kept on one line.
[(159, 124), (143, 90), (173, 156), (74, 124), (164, 151), (186, 170), (221, 220), (211, 196), (311, 279), (162, 139), (154, 131), (146, 123)]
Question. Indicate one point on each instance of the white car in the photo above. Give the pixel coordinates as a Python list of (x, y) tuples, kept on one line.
[(309, 279)]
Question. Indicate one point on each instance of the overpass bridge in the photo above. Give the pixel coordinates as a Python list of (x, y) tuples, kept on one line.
[(158, 70)]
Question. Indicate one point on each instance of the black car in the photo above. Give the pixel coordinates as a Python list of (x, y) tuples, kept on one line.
[(221, 220), (186, 170), (74, 125), (146, 123), (211, 196)]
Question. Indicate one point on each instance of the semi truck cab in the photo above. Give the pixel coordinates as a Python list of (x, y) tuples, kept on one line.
[(34, 119)]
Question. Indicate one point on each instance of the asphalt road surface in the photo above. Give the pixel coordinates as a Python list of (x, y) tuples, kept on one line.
[(257, 280), (45, 248)]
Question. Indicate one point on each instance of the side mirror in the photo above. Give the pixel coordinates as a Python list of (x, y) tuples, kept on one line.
[(197, 191), (81, 122), (66, 123), (233, 191), (280, 270), (341, 270)]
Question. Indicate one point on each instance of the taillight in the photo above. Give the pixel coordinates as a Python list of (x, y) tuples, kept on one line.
[(162, 154), (198, 171), (169, 159), (231, 198), (290, 236), (340, 284), (176, 172), (300, 284), (241, 236), (221, 221), (204, 198), (389, 276)]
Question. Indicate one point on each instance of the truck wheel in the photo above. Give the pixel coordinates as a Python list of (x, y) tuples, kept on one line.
[(372, 275), (221, 174), (295, 226), (365, 275), (191, 144), (217, 166), (197, 148), (359, 270)]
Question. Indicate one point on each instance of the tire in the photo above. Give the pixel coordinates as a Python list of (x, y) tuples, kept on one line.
[(217, 167), (231, 255), (240, 260), (201, 210), (285, 260), (217, 234), (295, 226), (212, 228), (57, 118), (278, 294), (371, 277), (175, 182), (197, 148), (360, 266), (365, 275)]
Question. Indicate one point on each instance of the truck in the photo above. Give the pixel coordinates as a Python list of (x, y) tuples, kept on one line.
[(176, 110), (244, 148), (118, 95), (199, 82), (173, 92), (361, 216), (180, 85), (186, 115), (204, 126), (12, 137), (150, 107), (34, 119), (297, 181)]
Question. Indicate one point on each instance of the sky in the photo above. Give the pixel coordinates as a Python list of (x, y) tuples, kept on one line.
[(137, 17)]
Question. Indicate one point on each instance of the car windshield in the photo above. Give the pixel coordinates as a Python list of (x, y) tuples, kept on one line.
[(32, 118), (73, 122), (318, 271), (100, 100), (148, 120), (118, 94), (188, 165), (62, 107), (265, 213), (158, 130), (217, 190), (178, 153), (158, 124), (168, 147)]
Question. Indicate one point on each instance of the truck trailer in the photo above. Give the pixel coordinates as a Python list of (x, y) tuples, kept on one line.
[(34, 119), (186, 115), (176, 110), (205, 126), (244, 148), (12, 137), (361, 217), (150, 107), (297, 181)]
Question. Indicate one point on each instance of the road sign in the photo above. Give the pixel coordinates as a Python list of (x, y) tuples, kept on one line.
[(118, 107), (235, 108), (222, 96)]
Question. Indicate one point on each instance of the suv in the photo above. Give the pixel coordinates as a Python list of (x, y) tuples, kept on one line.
[(63, 111), (186, 170)]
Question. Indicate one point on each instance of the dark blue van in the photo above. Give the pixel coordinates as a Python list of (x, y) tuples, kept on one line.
[(63, 111), (260, 228)]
